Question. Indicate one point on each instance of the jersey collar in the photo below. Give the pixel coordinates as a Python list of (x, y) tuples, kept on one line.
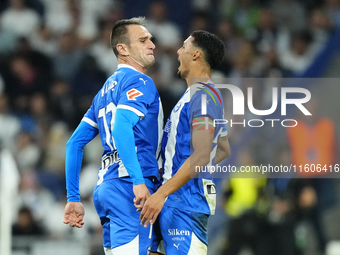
[(126, 66)]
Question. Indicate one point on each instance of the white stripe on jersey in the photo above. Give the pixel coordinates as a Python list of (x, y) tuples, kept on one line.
[(89, 121), (197, 247), (171, 144), (211, 198), (131, 248), (160, 132), (126, 107), (122, 172)]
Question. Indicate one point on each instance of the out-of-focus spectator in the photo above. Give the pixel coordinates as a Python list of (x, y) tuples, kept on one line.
[(242, 63), (332, 10), (101, 49), (27, 152), (63, 104), (58, 18), (269, 35), (88, 78), (245, 14), (313, 142), (233, 42), (272, 69), (289, 14), (38, 59), (300, 54), (199, 21), (68, 57), (26, 80), (10, 125), (35, 197), (44, 41), (8, 40), (26, 225), (78, 15), (320, 27), (20, 19), (54, 160), (166, 33), (167, 39), (246, 225), (201, 5)]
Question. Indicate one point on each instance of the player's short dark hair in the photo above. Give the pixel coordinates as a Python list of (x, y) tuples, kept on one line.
[(119, 32), (211, 45)]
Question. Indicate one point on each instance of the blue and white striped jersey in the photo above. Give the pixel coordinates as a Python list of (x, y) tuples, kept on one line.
[(199, 194), (128, 89)]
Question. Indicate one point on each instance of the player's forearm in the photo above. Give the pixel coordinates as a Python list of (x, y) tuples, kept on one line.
[(125, 143), (223, 150), (183, 175)]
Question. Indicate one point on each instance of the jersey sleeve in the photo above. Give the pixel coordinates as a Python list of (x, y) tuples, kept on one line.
[(90, 118), (214, 109), (74, 156), (137, 95)]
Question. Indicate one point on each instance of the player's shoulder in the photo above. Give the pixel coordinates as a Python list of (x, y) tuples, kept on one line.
[(206, 95), (142, 78)]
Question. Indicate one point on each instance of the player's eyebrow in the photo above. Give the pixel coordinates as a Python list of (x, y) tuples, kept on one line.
[(145, 38)]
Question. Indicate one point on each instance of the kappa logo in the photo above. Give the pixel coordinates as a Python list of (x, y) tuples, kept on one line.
[(178, 105), (176, 246), (143, 80), (133, 93)]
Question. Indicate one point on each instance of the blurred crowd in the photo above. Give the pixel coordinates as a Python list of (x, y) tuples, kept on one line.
[(56, 55)]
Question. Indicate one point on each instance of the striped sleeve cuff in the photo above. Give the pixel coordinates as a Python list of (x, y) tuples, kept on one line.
[(89, 121), (130, 108)]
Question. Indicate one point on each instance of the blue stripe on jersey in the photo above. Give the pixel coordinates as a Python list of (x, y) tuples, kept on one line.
[(177, 147)]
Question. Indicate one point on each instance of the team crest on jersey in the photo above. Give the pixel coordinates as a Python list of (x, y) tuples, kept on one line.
[(133, 93)]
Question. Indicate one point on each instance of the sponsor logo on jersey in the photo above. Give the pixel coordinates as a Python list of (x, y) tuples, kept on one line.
[(177, 232), (133, 93)]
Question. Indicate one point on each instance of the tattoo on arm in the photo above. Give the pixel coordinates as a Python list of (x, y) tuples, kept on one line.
[(220, 149)]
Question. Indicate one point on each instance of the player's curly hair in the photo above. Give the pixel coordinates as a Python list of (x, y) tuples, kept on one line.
[(211, 45), (119, 32)]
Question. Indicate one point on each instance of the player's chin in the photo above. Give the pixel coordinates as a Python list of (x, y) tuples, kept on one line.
[(150, 62)]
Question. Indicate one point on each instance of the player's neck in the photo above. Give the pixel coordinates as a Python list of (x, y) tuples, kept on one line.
[(198, 74), (128, 61)]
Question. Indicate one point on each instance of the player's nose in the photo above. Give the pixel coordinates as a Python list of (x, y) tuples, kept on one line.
[(152, 45)]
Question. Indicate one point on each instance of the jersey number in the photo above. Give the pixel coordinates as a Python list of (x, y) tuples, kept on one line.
[(108, 134), (108, 128)]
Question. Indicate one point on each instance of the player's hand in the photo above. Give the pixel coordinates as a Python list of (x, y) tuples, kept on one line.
[(152, 208), (74, 214), (141, 195)]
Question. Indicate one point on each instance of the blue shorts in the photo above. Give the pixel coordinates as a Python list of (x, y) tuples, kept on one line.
[(183, 232), (122, 231)]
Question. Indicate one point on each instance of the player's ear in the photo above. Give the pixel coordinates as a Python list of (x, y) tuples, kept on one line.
[(196, 55), (122, 49)]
